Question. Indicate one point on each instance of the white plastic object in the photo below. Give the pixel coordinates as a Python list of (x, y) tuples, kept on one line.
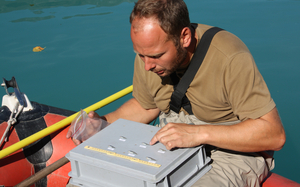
[(11, 100)]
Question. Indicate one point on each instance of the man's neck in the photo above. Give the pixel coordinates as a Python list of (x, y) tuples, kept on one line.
[(193, 42)]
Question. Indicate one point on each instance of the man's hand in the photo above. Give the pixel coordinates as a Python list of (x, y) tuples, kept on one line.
[(91, 124), (178, 135), (252, 135)]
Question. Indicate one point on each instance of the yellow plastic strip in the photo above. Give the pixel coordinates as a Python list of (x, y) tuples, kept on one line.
[(61, 124), (122, 156)]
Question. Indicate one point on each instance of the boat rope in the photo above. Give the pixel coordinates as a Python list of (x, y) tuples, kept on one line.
[(12, 120)]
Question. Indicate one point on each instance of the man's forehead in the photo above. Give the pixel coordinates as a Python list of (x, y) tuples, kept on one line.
[(144, 24), (148, 38), (147, 30)]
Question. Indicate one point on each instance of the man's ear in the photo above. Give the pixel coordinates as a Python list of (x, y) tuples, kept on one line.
[(186, 37)]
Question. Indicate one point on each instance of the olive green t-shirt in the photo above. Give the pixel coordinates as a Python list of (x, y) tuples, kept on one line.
[(227, 86)]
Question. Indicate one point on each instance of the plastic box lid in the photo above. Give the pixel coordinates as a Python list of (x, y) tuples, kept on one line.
[(123, 147)]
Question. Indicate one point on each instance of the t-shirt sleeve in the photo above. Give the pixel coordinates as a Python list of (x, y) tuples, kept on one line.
[(247, 91), (140, 86)]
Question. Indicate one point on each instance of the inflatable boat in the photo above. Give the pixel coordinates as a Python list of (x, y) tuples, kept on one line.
[(33, 140), (15, 127)]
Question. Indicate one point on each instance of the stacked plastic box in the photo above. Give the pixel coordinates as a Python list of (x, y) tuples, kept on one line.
[(120, 156)]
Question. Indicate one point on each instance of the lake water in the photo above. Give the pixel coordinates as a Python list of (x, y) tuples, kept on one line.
[(89, 55)]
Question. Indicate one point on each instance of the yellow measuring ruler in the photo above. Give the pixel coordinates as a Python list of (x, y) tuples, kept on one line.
[(122, 156)]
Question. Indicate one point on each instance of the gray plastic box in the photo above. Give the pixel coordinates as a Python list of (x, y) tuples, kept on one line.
[(120, 155)]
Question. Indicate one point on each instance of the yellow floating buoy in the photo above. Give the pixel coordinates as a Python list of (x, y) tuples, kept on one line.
[(38, 49)]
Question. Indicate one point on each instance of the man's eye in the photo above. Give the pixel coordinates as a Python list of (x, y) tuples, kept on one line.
[(157, 56), (141, 56)]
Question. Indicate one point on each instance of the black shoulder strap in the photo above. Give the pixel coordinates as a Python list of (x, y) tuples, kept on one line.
[(179, 91)]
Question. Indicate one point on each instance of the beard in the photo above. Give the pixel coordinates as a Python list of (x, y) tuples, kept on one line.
[(180, 58)]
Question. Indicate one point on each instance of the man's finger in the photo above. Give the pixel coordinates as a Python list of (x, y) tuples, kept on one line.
[(91, 114), (69, 134), (76, 142), (153, 140)]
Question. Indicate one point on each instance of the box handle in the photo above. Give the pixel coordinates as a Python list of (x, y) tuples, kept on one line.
[(187, 177)]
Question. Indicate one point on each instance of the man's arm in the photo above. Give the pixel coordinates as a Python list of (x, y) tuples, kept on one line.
[(132, 110), (252, 135)]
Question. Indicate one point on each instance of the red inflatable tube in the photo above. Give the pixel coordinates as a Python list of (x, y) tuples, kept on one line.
[(16, 167), (274, 180)]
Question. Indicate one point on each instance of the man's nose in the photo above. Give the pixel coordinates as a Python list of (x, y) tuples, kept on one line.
[(149, 64)]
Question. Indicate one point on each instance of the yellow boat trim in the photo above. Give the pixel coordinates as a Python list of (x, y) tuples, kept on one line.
[(61, 124)]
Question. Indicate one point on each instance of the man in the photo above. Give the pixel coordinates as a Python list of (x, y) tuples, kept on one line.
[(232, 110)]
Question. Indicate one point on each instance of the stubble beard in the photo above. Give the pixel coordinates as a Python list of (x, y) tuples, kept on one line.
[(181, 56)]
